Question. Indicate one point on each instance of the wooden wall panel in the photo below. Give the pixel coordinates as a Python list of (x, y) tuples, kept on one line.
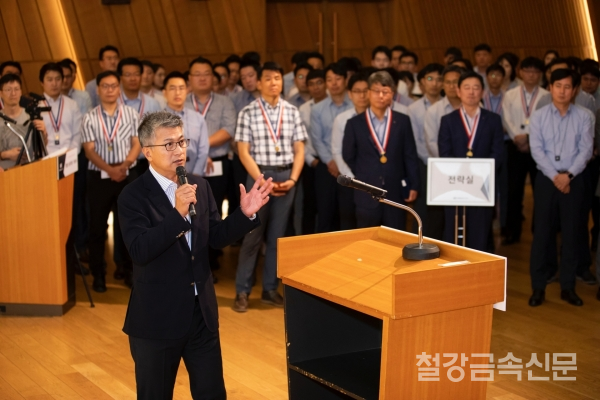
[(171, 32), (33, 32), (429, 27), (524, 27)]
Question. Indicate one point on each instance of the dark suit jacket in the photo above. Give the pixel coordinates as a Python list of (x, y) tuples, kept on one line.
[(161, 304), (360, 153), (489, 138)]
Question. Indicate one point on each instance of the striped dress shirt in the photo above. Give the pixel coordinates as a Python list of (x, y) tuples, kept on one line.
[(93, 130)]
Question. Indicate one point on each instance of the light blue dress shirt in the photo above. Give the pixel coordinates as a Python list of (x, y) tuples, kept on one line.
[(194, 128), (322, 116), (561, 143), (416, 112)]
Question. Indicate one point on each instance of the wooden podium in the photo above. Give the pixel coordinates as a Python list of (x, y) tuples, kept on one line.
[(357, 315), (36, 212)]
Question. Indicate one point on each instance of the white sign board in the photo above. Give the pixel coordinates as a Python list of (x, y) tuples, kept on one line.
[(66, 164), (461, 182)]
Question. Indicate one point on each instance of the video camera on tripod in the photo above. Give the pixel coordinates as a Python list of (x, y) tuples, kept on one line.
[(37, 139)]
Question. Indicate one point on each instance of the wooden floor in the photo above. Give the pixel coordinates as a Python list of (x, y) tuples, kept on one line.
[(85, 355)]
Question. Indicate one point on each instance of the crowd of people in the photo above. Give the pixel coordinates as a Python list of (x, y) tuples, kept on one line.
[(378, 123)]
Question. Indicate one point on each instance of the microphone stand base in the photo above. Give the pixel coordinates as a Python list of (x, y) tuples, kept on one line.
[(426, 251)]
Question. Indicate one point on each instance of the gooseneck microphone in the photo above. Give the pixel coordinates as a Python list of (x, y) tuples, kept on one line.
[(365, 187), (413, 251), (182, 177)]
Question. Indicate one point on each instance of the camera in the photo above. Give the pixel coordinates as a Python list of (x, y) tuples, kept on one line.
[(33, 109)]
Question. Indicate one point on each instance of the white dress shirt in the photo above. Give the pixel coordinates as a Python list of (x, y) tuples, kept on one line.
[(433, 119), (513, 116)]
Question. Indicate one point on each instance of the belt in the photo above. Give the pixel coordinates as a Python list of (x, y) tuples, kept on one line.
[(220, 158), (277, 168)]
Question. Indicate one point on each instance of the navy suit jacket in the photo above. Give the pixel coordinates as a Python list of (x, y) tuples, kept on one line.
[(362, 156), (161, 304), (489, 138)]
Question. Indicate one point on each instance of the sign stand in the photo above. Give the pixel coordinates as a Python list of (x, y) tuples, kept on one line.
[(460, 182)]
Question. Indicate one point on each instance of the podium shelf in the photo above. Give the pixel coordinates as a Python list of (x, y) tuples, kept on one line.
[(353, 374)]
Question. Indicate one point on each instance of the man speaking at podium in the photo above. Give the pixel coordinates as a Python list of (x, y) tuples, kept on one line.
[(172, 310)]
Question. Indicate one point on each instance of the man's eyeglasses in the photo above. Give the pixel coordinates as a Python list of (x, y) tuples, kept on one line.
[(171, 146)]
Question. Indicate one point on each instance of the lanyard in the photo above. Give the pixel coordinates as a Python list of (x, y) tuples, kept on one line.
[(567, 123), (206, 106), (527, 106), (142, 103), (487, 101), (56, 121), (276, 132), (113, 132), (471, 131), (381, 145)]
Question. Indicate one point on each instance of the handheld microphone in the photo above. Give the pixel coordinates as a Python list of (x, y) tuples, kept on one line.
[(182, 177), (365, 187)]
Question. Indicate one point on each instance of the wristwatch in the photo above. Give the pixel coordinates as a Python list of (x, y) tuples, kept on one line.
[(570, 175)]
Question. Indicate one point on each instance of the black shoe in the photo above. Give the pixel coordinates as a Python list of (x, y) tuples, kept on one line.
[(571, 297), (587, 277), (99, 284), (272, 297), (598, 295), (537, 298), (86, 270), (552, 279)]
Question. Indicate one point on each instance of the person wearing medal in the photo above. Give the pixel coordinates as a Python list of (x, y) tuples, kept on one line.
[(471, 132), (431, 128), (63, 124), (109, 134), (517, 106), (561, 140), (379, 147), (219, 113), (270, 139)]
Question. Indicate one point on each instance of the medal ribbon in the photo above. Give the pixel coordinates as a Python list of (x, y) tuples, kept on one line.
[(206, 106), (388, 126), (113, 133), (526, 107), (470, 131), (142, 103), (274, 136), (487, 102), (56, 122)]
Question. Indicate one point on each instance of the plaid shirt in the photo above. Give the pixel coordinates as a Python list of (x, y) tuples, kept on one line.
[(252, 128)]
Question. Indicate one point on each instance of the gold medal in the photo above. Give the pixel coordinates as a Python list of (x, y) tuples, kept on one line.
[(277, 149), (110, 148), (469, 153), (527, 121), (383, 159)]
